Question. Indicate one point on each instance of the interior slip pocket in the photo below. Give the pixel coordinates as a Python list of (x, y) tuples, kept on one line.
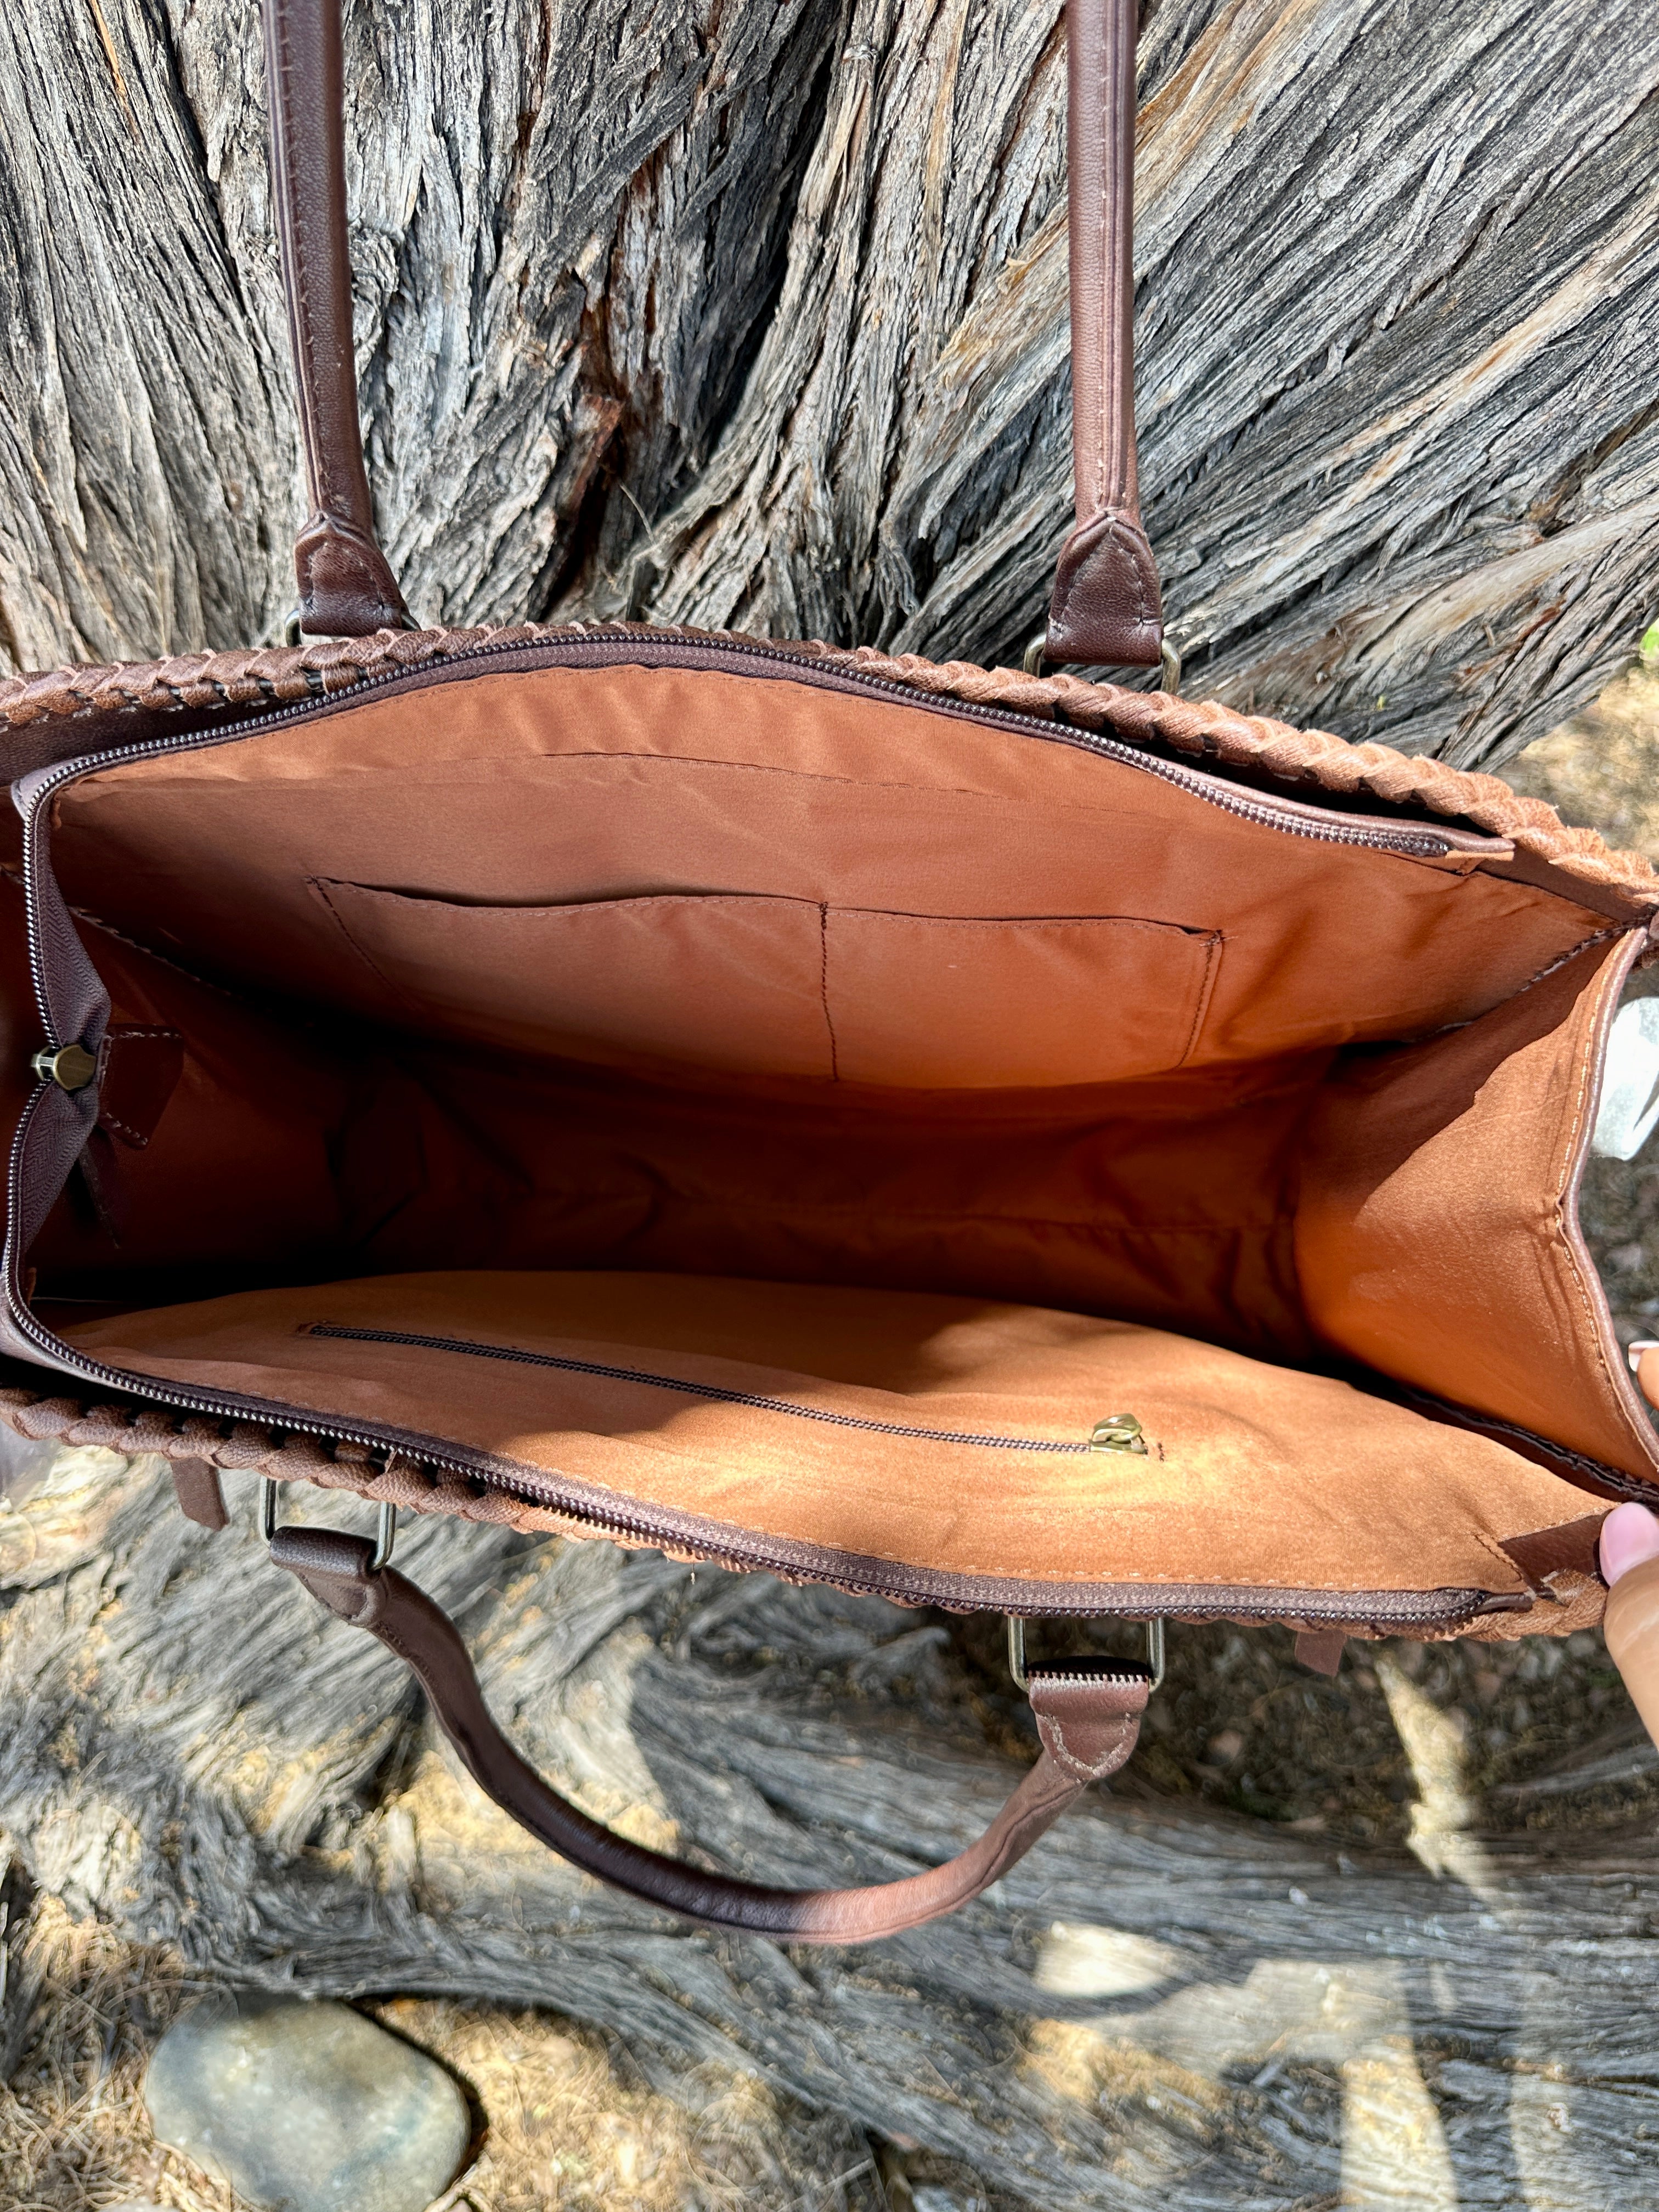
[(746, 984), (928, 1002), (731, 983)]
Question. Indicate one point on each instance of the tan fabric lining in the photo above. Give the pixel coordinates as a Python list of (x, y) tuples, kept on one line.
[(857, 999), (769, 986), (1436, 1238)]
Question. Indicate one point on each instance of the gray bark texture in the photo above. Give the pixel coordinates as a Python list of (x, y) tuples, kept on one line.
[(1169, 2002), (752, 313)]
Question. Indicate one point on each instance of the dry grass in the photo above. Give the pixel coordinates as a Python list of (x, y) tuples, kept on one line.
[(73, 2131), (563, 2119), (1598, 770), (569, 2122)]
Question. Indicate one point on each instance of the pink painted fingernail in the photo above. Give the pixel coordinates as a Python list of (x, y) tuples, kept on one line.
[(1629, 1534)]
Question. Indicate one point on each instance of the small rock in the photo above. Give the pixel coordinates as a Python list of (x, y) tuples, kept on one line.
[(306, 2107)]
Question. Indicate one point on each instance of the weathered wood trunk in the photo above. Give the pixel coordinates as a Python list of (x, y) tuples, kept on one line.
[(753, 314)]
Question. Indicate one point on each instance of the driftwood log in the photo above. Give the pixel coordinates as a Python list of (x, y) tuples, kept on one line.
[(753, 316), (1165, 2003)]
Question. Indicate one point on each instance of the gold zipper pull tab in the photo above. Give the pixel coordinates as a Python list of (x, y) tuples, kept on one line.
[(71, 1066), (1118, 1432)]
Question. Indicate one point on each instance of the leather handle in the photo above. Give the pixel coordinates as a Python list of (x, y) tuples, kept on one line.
[(1088, 1716), (346, 588), (1105, 607)]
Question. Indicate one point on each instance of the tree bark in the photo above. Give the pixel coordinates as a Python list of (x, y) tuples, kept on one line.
[(753, 315)]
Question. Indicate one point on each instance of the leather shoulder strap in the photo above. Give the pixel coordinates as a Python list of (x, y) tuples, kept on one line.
[(346, 588), (1105, 607), (1088, 1716)]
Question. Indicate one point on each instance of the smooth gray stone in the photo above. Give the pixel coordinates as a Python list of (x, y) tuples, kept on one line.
[(306, 2107)]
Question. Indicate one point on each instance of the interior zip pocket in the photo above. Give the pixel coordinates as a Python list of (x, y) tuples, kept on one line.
[(760, 1400)]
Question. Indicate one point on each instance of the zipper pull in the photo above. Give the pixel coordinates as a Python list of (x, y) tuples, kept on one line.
[(1118, 1432), (71, 1066)]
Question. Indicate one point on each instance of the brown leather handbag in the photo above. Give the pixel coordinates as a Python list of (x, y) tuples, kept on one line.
[(993, 1139)]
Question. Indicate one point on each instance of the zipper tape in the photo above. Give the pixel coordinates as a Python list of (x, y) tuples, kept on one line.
[(760, 1400)]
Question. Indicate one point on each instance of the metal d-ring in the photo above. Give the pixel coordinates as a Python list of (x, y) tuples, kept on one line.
[(386, 1531), (1017, 1650), (1168, 661)]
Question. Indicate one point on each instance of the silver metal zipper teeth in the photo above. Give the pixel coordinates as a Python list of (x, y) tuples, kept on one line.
[(760, 1400), (32, 932)]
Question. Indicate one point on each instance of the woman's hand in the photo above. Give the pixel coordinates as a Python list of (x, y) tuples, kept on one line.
[(1629, 1560)]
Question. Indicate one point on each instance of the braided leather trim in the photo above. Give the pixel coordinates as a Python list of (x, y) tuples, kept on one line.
[(133, 1427), (1314, 761)]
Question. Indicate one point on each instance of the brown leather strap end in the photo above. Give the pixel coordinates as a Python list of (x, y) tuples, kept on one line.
[(336, 1569), (1088, 1714), (346, 588), (201, 1498), (1321, 1649), (1106, 611)]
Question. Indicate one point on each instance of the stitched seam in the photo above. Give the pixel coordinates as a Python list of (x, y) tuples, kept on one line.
[(823, 991), (297, 227), (124, 1128), (137, 945), (1091, 1224), (302, 304), (1489, 1544), (1597, 937), (320, 886), (1132, 537), (1211, 957)]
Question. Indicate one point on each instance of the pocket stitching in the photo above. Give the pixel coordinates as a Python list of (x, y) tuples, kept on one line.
[(823, 989), (322, 885), (1206, 991)]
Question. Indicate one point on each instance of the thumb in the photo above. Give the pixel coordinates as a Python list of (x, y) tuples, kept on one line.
[(1629, 1534), (1629, 1560)]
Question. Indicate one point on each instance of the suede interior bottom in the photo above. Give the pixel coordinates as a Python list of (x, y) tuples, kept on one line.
[(945, 1434)]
